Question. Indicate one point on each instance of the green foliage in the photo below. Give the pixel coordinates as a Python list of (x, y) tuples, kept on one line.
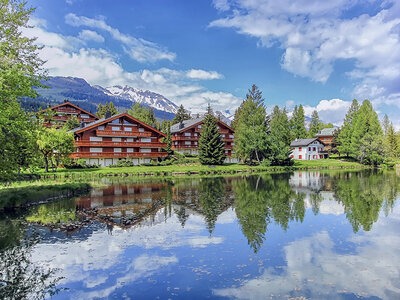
[(280, 138), (71, 123), (144, 114), (252, 140), (315, 125), (297, 123), (181, 115), (392, 142), (168, 140), (54, 144), (346, 131), (108, 107), (211, 146)]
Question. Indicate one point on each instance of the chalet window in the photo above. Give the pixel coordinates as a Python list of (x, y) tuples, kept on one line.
[(141, 129), (118, 150), (145, 150), (129, 150), (291, 156), (300, 149), (115, 128), (127, 123), (116, 121), (116, 139), (195, 134), (95, 139), (313, 149), (145, 140), (84, 116), (309, 148), (199, 126), (188, 143), (127, 128), (188, 134), (101, 128), (231, 136), (96, 150), (195, 143)]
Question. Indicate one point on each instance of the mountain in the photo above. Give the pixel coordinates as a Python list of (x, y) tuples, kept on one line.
[(146, 97), (80, 92)]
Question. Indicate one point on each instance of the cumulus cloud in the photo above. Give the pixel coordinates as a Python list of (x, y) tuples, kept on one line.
[(203, 75), (315, 34), (69, 56), (89, 35), (222, 5), (138, 48), (329, 111)]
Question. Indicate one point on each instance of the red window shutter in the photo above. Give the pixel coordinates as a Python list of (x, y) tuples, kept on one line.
[(299, 156), (313, 149)]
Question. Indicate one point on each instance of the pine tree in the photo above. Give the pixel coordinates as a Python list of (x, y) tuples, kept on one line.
[(181, 115), (346, 131), (108, 107), (252, 141), (367, 135), (168, 140), (143, 113), (315, 125), (211, 146), (297, 123), (280, 137), (385, 124), (236, 116), (392, 142)]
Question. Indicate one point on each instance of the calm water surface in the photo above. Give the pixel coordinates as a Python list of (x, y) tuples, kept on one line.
[(304, 235)]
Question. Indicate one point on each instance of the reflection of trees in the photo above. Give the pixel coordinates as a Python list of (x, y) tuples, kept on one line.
[(364, 194), (20, 278), (212, 200), (261, 199), (53, 212)]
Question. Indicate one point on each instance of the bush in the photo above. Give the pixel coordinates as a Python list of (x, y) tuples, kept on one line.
[(78, 164), (123, 163)]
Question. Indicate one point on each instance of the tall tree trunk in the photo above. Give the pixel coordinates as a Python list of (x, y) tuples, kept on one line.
[(46, 164)]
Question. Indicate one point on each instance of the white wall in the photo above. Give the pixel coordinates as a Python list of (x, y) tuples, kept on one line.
[(307, 154)]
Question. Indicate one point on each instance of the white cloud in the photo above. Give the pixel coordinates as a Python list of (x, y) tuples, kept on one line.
[(203, 75), (315, 34), (222, 5), (89, 35), (329, 111), (138, 48)]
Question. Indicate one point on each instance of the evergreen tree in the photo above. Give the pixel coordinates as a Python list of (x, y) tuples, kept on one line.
[(143, 113), (392, 142), (297, 123), (168, 140), (367, 136), (280, 137), (346, 131), (71, 123), (236, 116), (102, 109), (252, 140), (181, 115), (385, 124), (211, 146), (315, 125)]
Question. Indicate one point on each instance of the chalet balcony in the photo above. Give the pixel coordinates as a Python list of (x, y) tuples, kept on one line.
[(227, 139), (122, 133), (119, 144), (118, 154), (185, 146), (67, 111), (185, 138)]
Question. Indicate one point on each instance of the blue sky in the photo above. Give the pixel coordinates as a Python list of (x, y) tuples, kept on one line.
[(321, 54)]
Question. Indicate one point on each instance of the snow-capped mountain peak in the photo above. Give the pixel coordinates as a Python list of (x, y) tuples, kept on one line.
[(143, 97)]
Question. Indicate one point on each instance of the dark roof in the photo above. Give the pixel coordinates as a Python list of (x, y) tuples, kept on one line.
[(326, 132), (73, 105), (304, 142), (187, 123)]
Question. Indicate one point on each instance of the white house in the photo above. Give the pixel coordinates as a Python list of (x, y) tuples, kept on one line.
[(308, 149)]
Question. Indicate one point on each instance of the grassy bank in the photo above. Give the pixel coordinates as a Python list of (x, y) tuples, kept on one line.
[(196, 168), (38, 192)]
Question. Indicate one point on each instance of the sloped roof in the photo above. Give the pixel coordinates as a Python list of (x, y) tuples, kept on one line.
[(73, 105), (326, 132), (304, 142), (103, 121), (192, 122)]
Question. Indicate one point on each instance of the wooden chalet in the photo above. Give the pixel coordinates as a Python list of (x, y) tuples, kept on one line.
[(108, 140), (186, 134), (326, 135), (59, 114)]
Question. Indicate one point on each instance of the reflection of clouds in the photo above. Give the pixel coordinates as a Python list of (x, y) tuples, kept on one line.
[(328, 206), (315, 270), (80, 260), (227, 217)]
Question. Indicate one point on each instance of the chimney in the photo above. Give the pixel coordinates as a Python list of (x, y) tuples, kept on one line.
[(181, 125), (107, 114), (66, 101)]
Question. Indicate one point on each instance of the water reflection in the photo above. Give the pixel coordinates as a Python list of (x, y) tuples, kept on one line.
[(306, 234)]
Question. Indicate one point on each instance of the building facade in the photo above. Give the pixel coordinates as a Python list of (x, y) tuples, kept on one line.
[(186, 135), (308, 149), (326, 136), (56, 116), (106, 141)]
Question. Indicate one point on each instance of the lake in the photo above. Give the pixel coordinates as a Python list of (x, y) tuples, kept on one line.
[(300, 235)]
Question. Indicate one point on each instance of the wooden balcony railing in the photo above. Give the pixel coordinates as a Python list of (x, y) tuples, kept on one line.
[(122, 133), (118, 144), (117, 154), (185, 138), (185, 146), (67, 110)]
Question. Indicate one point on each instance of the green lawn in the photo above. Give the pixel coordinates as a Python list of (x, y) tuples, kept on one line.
[(196, 168)]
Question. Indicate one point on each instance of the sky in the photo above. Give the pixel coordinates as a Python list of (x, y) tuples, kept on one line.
[(321, 54)]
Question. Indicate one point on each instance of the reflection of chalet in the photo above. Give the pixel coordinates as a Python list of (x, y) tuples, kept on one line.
[(124, 205), (185, 136), (59, 114), (106, 141)]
